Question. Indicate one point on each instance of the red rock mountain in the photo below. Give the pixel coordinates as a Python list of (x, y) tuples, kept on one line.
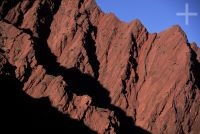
[(65, 64)]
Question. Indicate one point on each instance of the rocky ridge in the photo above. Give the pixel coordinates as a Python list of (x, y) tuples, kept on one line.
[(112, 76)]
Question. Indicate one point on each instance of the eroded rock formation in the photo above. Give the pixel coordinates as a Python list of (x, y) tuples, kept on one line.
[(110, 76)]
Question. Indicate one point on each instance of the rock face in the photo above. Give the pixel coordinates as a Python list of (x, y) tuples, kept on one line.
[(110, 76)]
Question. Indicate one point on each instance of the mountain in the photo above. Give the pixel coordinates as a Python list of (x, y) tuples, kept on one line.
[(66, 65)]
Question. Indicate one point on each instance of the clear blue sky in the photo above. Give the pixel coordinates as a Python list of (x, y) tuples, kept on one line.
[(157, 15)]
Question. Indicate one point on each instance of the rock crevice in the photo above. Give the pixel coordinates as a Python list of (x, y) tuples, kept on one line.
[(98, 73)]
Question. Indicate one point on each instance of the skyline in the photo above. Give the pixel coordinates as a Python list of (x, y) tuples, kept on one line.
[(157, 15)]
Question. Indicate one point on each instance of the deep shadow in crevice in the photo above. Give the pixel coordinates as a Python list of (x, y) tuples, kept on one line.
[(83, 84), (22, 13), (78, 82), (133, 57), (45, 17), (89, 45), (195, 67), (27, 73), (43, 54), (80, 3), (20, 112), (20, 19), (6, 5)]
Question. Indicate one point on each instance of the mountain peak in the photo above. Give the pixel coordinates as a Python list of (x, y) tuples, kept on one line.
[(178, 30), (99, 73)]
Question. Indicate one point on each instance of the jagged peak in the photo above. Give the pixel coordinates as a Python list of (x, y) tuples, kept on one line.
[(103, 57), (177, 28), (195, 47), (136, 22), (137, 28), (90, 5), (175, 31)]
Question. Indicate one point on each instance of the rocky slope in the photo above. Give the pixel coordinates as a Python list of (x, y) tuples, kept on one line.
[(102, 75)]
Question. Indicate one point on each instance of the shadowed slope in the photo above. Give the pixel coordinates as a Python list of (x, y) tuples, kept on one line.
[(22, 112)]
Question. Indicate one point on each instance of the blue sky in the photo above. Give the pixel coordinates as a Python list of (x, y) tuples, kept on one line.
[(157, 15)]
